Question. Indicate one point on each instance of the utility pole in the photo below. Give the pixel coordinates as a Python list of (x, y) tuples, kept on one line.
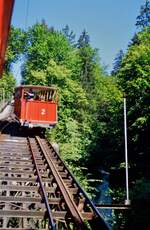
[(127, 201)]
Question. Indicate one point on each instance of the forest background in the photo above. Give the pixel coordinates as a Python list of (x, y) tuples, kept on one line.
[(90, 128)]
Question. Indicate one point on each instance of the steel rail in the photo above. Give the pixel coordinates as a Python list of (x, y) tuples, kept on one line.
[(78, 219), (98, 218), (39, 178)]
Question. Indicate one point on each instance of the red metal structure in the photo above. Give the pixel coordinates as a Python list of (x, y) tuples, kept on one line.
[(36, 106), (6, 8)]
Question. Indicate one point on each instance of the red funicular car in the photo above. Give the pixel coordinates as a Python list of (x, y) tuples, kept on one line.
[(36, 106)]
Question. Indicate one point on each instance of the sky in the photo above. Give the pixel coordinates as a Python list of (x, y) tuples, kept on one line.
[(110, 23)]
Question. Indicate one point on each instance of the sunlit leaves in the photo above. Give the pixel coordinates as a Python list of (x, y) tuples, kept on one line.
[(7, 84)]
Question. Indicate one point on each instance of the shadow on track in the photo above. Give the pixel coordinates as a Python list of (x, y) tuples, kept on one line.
[(13, 128)]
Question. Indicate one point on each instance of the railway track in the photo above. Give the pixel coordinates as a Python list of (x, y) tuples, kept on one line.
[(37, 190)]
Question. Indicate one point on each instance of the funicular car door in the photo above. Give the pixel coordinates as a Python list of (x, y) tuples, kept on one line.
[(17, 102)]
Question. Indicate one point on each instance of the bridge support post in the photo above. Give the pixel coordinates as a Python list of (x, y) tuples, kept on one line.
[(127, 201)]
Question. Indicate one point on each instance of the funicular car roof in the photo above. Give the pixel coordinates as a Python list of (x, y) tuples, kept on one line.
[(38, 87)]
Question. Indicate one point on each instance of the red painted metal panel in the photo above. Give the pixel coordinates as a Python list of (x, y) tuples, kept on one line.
[(6, 7), (40, 112), (36, 112)]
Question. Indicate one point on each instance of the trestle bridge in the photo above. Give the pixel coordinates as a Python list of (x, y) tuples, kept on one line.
[(37, 190)]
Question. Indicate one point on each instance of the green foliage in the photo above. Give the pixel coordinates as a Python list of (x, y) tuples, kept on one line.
[(107, 124), (7, 84), (133, 77), (43, 44), (88, 62), (15, 48)]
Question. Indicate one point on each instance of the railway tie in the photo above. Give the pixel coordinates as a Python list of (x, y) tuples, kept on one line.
[(37, 190)]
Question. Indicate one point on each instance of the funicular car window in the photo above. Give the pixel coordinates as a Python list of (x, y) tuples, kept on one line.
[(51, 95), (38, 94), (29, 94), (46, 95)]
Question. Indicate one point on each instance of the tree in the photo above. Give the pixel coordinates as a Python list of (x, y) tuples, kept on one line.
[(143, 19), (117, 62), (106, 147), (69, 34), (88, 59), (84, 39)]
